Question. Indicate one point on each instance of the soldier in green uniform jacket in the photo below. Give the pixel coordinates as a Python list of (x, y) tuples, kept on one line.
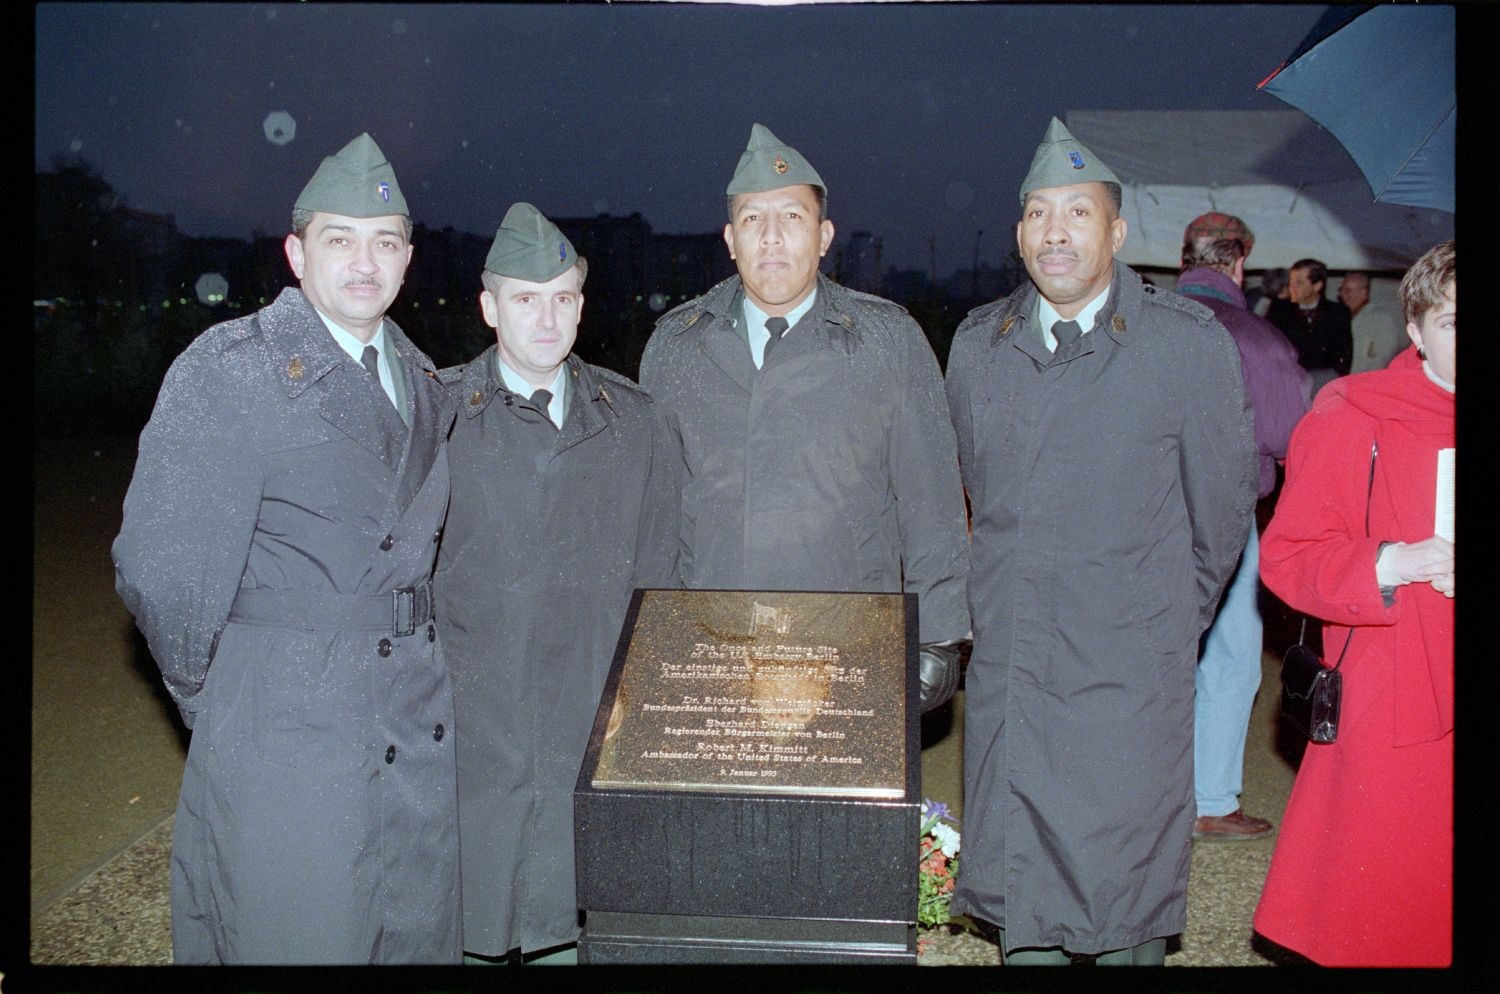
[(1109, 458), (276, 551), (816, 444), (564, 501)]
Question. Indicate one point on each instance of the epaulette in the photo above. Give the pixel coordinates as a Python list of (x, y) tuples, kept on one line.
[(682, 317), (234, 332), (870, 298), (685, 305), (1178, 302), (983, 311), (621, 380)]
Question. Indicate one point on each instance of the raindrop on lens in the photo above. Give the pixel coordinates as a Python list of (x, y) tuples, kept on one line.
[(280, 127), (211, 289)]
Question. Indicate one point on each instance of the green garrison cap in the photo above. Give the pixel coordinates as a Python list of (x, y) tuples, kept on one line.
[(769, 164), (357, 182), (529, 247), (1062, 160)]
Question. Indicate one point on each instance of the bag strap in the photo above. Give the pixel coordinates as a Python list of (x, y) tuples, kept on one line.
[(1369, 493)]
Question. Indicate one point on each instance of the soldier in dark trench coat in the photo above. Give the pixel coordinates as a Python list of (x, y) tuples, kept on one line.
[(1109, 482), (276, 550), (819, 456), (564, 501)]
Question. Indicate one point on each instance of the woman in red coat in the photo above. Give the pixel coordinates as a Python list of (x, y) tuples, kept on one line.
[(1363, 869)]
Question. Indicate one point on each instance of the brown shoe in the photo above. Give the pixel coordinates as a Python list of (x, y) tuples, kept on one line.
[(1231, 827)]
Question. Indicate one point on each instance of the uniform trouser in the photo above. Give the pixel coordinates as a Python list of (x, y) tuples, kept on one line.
[(1227, 679), (1152, 952), (564, 955)]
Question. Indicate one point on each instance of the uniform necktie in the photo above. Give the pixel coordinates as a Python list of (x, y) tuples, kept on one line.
[(1066, 333), (777, 327), (543, 400), (370, 359)]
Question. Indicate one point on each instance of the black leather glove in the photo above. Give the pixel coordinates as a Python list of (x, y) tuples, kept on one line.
[(938, 672)]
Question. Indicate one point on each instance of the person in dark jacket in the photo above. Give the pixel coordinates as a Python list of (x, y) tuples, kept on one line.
[(817, 449), (1320, 329), (276, 551), (1110, 464), (564, 501), (1215, 247)]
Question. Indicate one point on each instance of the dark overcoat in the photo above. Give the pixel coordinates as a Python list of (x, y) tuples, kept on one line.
[(1109, 489), (549, 531), (833, 468), (317, 821)]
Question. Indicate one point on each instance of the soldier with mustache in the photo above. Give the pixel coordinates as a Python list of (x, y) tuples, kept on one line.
[(276, 550), (1110, 463)]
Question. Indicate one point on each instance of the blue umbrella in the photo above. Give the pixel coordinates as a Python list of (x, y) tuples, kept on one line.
[(1381, 81)]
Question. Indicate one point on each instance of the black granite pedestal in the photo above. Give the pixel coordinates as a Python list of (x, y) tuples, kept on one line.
[(717, 873)]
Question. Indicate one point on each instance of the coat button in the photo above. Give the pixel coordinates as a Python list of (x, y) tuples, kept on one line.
[(386, 543), (437, 734), (437, 535), (390, 754), (431, 633), (384, 648), (509, 400)]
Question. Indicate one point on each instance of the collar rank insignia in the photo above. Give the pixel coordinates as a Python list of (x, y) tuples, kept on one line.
[(1005, 325), (780, 166), (295, 367), (1117, 323), (476, 398)]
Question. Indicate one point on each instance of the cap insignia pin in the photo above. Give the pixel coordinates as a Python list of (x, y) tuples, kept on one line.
[(1076, 159), (384, 189), (294, 368), (780, 166), (562, 252)]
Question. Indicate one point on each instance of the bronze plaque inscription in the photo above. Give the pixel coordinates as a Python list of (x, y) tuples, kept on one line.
[(762, 692)]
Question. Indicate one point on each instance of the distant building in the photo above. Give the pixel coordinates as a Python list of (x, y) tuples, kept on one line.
[(858, 266), (986, 283), (902, 285), (680, 267)]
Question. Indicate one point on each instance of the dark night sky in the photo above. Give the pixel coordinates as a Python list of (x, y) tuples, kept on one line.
[(921, 118)]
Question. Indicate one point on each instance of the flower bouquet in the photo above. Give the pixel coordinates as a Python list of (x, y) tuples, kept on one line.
[(937, 865)]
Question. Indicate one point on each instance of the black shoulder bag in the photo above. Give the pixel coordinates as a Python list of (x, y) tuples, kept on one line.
[(1310, 691)]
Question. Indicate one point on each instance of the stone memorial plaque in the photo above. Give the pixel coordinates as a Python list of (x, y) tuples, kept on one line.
[(761, 692)]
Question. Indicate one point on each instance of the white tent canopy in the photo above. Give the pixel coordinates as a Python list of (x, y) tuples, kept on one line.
[(1278, 170)]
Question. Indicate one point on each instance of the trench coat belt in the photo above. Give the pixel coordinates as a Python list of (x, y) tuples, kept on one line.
[(397, 612)]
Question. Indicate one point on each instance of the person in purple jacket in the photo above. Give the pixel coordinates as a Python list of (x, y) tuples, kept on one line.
[(1215, 247)]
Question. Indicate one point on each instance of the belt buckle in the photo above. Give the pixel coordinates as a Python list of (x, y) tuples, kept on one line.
[(404, 610)]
